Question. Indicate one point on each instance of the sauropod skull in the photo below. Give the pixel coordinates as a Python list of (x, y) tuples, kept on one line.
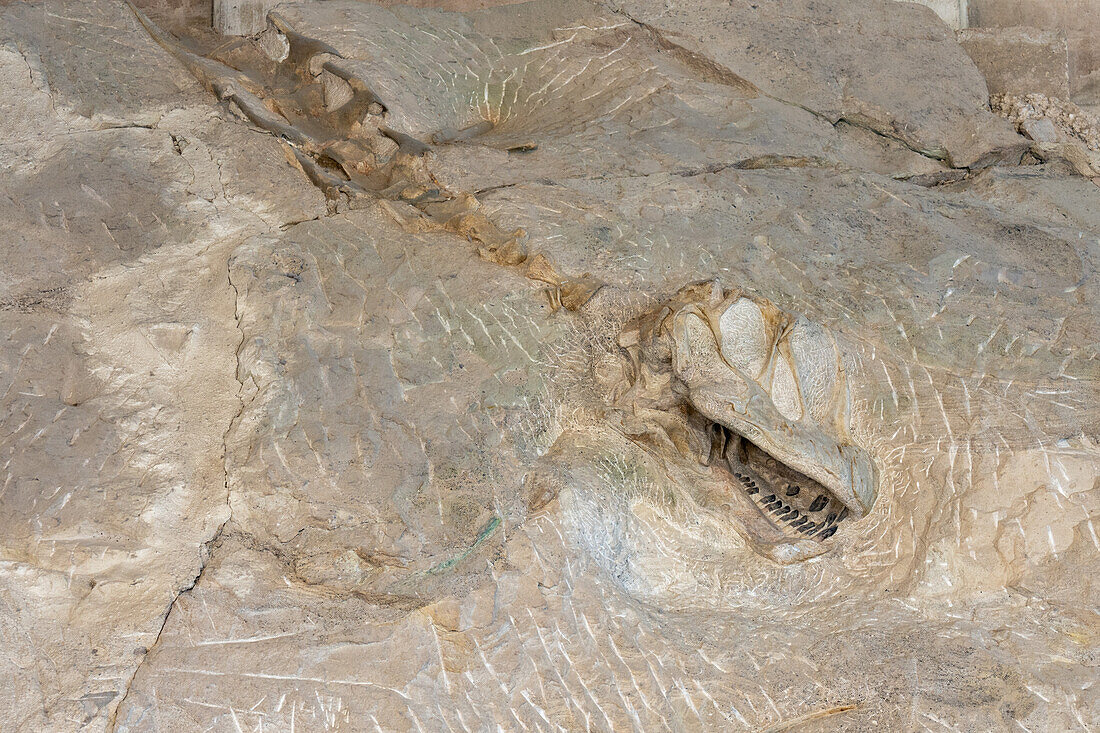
[(770, 390)]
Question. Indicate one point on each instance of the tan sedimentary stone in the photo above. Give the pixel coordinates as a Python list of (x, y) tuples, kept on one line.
[(1078, 20), (810, 54), (1071, 122), (125, 199), (1020, 60), (952, 12), (241, 17), (293, 438)]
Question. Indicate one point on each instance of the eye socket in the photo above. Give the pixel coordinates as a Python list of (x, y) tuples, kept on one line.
[(816, 365), (784, 391), (745, 343)]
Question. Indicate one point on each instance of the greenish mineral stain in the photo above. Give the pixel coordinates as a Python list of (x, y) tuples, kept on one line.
[(483, 535)]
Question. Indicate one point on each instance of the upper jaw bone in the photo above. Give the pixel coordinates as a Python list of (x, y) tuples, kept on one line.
[(776, 380)]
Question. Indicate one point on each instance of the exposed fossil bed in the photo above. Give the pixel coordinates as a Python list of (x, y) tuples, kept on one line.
[(554, 366)]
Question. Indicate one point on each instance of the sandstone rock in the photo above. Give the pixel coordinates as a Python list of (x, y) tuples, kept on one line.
[(952, 12), (240, 17), (1071, 121), (1078, 20), (1020, 60), (921, 90), (283, 450), (1042, 130), (124, 197)]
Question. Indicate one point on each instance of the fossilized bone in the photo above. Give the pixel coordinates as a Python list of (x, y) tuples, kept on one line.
[(345, 147), (334, 127), (566, 292), (758, 395)]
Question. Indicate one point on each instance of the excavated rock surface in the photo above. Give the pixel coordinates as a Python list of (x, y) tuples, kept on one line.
[(313, 420), (869, 63)]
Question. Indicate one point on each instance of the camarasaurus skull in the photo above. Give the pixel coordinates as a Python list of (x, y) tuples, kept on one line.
[(759, 397)]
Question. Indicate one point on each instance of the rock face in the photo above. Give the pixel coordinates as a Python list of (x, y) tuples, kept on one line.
[(240, 17), (1020, 60), (545, 366), (817, 55), (1077, 20)]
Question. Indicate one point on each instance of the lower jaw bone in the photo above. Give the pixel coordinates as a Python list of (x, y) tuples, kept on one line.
[(795, 514)]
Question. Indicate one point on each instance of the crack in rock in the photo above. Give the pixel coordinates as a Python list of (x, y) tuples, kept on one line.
[(206, 549)]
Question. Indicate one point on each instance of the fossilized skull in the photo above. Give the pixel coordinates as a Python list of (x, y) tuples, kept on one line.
[(759, 396)]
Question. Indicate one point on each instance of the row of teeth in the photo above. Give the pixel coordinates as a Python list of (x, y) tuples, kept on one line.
[(792, 517)]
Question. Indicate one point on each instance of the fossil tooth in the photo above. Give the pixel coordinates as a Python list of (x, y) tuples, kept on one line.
[(793, 489), (819, 503)]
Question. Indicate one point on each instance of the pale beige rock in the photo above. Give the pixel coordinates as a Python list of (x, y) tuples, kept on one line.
[(952, 12), (124, 200), (241, 17), (1020, 60), (284, 450), (921, 89), (1078, 20), (1043, 130)]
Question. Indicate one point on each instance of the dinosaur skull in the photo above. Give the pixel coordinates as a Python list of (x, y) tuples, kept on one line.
[(767, 390)]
